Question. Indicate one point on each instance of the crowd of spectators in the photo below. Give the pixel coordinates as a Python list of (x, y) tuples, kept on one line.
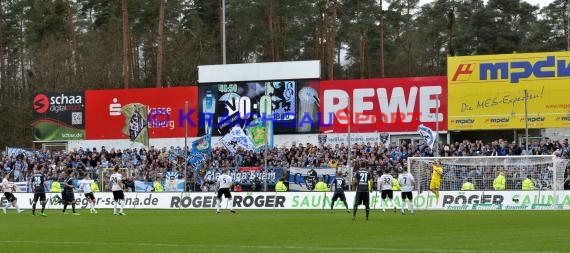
[(152, 163)]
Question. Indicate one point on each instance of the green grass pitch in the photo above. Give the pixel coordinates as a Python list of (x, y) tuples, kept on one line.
[(286, 231)]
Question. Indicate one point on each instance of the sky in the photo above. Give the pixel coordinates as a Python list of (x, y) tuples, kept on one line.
[(541, 3)]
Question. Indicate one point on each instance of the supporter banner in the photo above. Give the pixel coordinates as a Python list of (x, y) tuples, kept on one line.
[(169, 185), (58, 116), (246, 177), (226, 105), (165, 106), (11, 151), (449, 200), (334, 139), (143, 186), (383, 105), (305, 179), (174, 185), (22, 186), (488, 91)]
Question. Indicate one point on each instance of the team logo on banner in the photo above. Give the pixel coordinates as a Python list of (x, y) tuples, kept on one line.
[(202, 145), (322, 139), (136, 126), (257, 132), (384, 138), (236, 139)]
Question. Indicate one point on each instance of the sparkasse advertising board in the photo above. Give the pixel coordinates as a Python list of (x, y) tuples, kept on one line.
[(104, 118), (383, 105), (488, 91)]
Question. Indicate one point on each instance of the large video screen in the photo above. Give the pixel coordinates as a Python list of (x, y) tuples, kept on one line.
[(225, 105)]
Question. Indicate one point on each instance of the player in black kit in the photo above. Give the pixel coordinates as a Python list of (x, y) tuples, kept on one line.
[(68, 196), (363, 184), (38, 185), (339, 184)]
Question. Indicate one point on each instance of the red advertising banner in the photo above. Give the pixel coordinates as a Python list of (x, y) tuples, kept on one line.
[(247, 169), (105, 119), (383, 105)]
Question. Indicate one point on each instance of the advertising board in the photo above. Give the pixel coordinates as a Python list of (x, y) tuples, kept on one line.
[(225, 105), (105, 118), (488, 91), (449, 200), (58, 116), (383, 105)]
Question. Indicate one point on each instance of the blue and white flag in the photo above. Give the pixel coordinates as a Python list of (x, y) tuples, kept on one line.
[(428, 134), (236, 139), (202, 145), (196, 161), (142, 186)]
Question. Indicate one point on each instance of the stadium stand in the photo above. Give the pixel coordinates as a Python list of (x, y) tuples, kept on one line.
[(148, 164)]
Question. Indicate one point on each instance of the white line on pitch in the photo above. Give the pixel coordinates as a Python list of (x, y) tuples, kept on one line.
[(374, 249)]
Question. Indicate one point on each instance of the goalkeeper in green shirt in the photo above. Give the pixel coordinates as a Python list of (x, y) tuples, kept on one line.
[(321, 186), (499, 182)]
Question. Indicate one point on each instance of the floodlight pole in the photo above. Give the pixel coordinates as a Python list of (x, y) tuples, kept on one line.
[(224, 31), (526, 119), (437, 126), (185, 142), (348, 163), (265, 151)]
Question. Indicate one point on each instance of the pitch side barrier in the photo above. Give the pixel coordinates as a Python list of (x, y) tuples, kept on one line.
[(449, 200)]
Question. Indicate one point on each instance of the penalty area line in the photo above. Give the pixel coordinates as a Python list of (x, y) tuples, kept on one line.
[(326, 248)]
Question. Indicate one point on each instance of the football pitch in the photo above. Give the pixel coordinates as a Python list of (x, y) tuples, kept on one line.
[(286, 231)]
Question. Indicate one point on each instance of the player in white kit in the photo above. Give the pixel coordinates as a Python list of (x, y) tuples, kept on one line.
[(223, 186), (85, 186), (384, 185), (117, 188), (406, 186), (7, 187)]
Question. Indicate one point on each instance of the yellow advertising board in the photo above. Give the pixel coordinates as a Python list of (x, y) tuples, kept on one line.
[(488, 91)]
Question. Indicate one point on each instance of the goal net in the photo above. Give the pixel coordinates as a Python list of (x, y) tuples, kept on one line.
[(478, 173)]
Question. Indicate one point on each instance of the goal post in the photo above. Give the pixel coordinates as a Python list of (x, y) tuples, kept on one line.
[(469, 174)]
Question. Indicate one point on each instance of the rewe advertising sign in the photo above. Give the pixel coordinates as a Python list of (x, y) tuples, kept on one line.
[(383, 105)]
